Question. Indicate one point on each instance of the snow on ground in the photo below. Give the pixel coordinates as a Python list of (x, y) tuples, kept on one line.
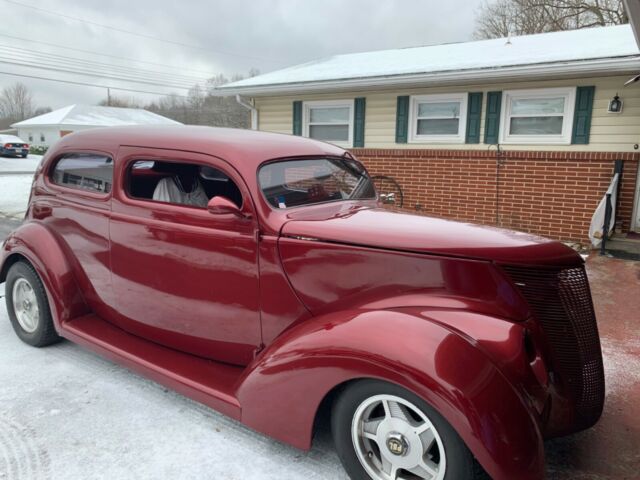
[(66, 413), (14, 194), (16, 175), (10, 164)]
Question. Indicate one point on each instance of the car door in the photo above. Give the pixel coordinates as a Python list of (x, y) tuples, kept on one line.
[(181, 276), (75, 203)]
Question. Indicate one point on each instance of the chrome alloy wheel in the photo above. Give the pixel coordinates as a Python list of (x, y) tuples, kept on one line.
[(395, 440), (25, 305)]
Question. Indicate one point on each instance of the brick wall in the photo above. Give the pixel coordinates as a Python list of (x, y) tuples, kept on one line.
[(549, 193)]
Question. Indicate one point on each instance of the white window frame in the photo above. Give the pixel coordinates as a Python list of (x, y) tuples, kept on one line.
[(569, 94), (307, 106), (460, 137)]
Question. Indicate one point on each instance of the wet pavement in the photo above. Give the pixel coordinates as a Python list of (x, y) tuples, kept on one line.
[(611, 449)]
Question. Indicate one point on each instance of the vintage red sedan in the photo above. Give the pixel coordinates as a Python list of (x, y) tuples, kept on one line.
[(259, 274)]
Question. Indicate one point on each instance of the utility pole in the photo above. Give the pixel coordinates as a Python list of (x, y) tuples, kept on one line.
[(108, 97)]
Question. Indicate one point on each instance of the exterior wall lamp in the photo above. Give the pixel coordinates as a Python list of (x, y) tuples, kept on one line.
[(615, 105)]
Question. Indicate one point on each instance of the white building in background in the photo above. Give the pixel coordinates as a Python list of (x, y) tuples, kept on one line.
[(45, 130)]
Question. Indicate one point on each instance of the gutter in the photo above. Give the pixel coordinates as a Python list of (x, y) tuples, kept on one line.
[(607, 66), (254, 111)]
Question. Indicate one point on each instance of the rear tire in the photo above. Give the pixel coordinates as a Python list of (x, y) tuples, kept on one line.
[(28, 306), (371, 419)]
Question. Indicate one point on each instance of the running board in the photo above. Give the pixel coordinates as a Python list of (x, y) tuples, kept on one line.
[(202, 380)]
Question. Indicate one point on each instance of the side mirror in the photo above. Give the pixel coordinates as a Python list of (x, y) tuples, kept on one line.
[(223, 206)]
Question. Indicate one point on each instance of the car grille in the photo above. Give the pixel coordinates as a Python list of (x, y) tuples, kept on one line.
[(561, 300)]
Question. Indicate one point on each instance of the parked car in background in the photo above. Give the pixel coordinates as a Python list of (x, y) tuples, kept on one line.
[(12, 146), (260, 275)]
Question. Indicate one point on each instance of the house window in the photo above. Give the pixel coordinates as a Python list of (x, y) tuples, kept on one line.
[(438, 118), (42, 137), (329, 121), (30, 137), (538, 116)]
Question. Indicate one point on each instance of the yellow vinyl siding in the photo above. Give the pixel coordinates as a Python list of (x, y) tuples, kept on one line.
[(609, 132)]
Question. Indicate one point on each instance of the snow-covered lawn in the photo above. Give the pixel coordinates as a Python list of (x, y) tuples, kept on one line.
[(10, 164), (16, 175), (14, 194), (67, 414)]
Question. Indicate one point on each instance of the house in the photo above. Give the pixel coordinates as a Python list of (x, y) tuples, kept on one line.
[(44, 130), (520, 132)]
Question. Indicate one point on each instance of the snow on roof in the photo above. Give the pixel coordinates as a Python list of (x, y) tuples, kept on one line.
[(547, 48), (96, 116)]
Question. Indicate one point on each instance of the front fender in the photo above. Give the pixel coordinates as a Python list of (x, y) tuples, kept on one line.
[(282, 390), (34, 242)]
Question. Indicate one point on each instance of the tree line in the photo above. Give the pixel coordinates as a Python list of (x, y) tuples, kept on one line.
[(501, 18)]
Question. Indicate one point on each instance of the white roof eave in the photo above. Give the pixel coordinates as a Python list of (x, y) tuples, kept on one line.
[(607, 66)]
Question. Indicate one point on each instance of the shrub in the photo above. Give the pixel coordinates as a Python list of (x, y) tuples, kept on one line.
[(38, 149)]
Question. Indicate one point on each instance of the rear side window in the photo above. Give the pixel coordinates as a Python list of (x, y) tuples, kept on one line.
[(84, 171)]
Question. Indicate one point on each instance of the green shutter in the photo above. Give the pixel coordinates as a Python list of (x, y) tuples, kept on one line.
[(492, 121), (297, 118), (358, 122), (582, 115), (474, 112), (402, 119)]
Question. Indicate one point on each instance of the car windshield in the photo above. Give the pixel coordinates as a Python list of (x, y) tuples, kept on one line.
[(292, 183)]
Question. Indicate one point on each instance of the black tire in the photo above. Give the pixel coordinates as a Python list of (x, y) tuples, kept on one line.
[(45, 332), (24, 155), (460, 463)]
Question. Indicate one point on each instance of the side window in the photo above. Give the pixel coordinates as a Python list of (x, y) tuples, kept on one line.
[(179, 183), (84, 171)]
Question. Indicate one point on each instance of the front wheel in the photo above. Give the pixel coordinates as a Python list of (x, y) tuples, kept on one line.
[(28, 306), (383, 432)]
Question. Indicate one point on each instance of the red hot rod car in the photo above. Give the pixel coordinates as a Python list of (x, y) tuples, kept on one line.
[(258, 274)]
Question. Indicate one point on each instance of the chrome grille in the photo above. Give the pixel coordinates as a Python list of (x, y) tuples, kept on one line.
[(561, 300)]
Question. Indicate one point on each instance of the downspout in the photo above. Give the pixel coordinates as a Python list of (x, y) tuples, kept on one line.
[(254, 111)]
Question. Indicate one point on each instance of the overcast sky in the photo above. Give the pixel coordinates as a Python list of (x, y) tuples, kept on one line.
[(205, 37)]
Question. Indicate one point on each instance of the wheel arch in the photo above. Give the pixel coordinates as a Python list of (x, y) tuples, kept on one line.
[(288, 387), (8, 262), (33, 243)]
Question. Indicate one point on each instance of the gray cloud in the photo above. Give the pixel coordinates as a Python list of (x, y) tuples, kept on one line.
[(265, 34)]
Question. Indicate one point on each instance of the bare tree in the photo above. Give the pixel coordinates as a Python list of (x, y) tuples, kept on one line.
[(41, 111), (16, 102), (202, 107), (500, 18), (120, 101), (196, 101)]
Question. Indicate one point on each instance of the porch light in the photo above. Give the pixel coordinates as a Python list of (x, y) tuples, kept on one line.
[(615, 105)]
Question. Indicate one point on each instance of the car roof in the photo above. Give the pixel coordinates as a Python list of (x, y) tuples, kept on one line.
[(245, 149), (11, 138)]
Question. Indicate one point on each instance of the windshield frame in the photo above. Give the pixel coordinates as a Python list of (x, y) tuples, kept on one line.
[(343, 158)]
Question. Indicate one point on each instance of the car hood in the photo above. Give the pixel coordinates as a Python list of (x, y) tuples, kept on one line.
[(395, 230)]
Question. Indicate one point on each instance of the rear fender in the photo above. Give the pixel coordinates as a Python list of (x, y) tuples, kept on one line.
[(34, 242), (281, 391)]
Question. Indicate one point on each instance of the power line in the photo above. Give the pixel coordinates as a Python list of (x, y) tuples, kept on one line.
[(129, 32), (173, 67), (32, 55), (85, 84), (101, 75)]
